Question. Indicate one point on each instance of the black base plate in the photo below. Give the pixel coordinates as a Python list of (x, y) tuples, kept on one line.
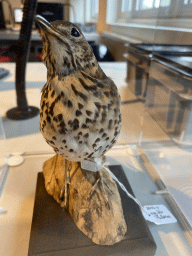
[(53, 232), (17, 114)]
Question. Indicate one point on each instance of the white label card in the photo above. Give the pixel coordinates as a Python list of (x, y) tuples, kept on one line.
[(90, 166), (158, 214)]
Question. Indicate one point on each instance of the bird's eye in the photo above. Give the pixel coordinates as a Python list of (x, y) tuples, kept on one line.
[(75, 32)]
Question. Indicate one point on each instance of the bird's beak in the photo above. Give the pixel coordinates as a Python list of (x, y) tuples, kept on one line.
[(45, 26)]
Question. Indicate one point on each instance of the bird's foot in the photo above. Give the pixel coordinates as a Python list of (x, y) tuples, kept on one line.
[(101, 182), (65, 192)]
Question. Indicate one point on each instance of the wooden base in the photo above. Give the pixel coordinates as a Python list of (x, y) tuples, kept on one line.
[(91, 198), (53, 232)]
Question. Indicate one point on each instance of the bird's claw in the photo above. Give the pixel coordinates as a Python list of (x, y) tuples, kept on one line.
[(64, 192), (104, 193)]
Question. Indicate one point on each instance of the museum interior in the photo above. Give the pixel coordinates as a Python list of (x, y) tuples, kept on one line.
[(102, 100)]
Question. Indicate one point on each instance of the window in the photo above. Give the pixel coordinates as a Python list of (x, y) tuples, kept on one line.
[(187, 1), (125, 9), (149, 4), (146, 4), (91, 8), (94, 9), (152, 8), (131, 9), (126, 6)]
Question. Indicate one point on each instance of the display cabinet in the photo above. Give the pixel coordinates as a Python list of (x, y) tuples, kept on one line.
[(158, 170)]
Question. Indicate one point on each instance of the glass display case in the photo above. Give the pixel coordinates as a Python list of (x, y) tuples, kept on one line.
[(154, 147), (157, 168), (159, 77)]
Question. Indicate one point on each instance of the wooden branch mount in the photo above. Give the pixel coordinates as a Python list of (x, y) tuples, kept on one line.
[(92, 199)]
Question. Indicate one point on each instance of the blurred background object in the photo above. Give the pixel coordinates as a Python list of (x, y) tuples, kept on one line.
[(23, 110), (2, 19)]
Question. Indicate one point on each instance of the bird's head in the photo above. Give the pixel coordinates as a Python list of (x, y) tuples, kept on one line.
[(65, 49)]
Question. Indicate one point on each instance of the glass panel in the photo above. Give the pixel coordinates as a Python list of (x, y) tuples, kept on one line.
[(159, 76), (3, 150), (155, 143), (126, 5), (146, 4), (3, 157), (26, 131), (164, 3), (137, 5), (156, 5), (168, 101), (95, 8)]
